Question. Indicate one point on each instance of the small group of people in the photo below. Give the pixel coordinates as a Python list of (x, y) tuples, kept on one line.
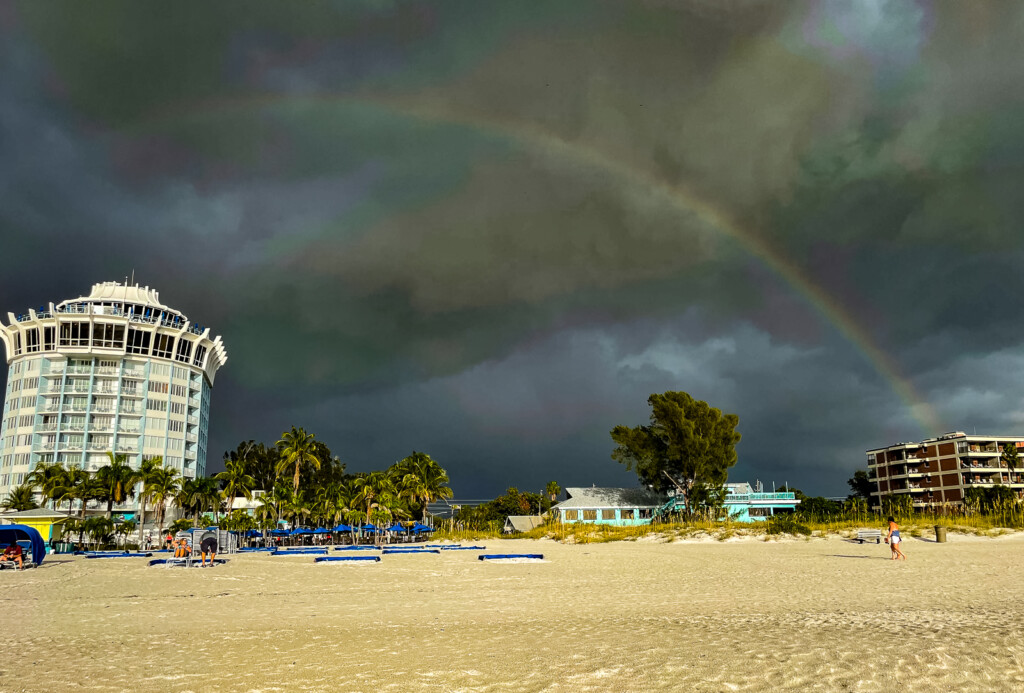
[(894, 541), (182, 548)]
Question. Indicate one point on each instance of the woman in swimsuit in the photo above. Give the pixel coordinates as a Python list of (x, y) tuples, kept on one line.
[(894, 541)]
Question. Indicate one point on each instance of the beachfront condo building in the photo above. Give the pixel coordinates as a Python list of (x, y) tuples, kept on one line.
[(938, 471), (112, 371)]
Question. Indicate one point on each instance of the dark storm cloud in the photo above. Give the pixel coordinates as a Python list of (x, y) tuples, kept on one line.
[(445, 219)]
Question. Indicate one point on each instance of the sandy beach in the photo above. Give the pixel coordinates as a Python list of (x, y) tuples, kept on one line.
[(821, 614)]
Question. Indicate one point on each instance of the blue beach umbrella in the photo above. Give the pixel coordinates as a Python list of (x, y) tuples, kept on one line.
[(368, 527), (321, 530), (342, 528), (419, 527), (397, 527)]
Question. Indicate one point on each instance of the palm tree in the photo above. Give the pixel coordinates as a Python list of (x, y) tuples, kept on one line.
[(186, 499), (297, 448), (163, 485), (1010, 459), (124, 529), (50, 478), (21, 498), (425, 481), (145, 476), (376, 492), (207, 495), (553, 489), (267, 513), (235, 481), (118, 480)]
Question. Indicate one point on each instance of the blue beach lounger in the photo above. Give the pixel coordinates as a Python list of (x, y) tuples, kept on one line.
[(499, 556), (463, 548), (357, 548), (145, 554), (389, 551), (345, 559)]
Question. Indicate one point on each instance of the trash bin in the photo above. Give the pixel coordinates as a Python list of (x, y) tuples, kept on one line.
[(940, 534)]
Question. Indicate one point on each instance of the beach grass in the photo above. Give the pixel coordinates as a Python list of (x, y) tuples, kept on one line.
[(914, 525)]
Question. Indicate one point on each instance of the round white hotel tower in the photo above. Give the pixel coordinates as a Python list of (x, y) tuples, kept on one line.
[(112, 371)]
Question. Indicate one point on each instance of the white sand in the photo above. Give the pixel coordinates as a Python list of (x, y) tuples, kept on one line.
[(825, 615)]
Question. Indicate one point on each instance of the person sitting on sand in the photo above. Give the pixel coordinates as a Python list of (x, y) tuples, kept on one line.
[(14, 553), (894, 541), (208, 545)]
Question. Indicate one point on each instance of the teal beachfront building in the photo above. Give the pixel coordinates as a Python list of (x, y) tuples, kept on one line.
[(744, 503)]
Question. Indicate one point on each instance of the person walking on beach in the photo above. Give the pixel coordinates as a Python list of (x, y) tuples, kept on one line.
[(894, 541)]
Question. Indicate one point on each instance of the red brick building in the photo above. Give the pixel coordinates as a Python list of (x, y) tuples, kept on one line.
[(937, 471)]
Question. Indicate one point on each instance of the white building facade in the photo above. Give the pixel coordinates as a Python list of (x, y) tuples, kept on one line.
[(112, 371)]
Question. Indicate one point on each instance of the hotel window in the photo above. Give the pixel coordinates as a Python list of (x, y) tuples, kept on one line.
[(626, 514), (155, 386), (163, 345), (108, 336), (26, 420), (156, 405), (176, 426), (48, 335), (28, 402), (607, 514), (589, 514), (30, 384), (961, 447), (154, 442), (160, 369), (23, 439), (179, 372), (175, 443), (155, 424), (32, 340), (177, 407), (645, 513), (17, 343), (74, 334), (572, 514), (179, 390), (200, 356), (138, 341), (184, 352)]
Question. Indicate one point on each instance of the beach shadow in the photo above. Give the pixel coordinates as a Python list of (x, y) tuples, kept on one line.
[(50, 561), (875, 558)]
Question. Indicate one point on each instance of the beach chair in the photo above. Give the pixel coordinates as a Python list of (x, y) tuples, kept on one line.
[(869, 534), (26, 556)]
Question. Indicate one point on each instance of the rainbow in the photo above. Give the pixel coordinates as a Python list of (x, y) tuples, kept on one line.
[(678, 197)]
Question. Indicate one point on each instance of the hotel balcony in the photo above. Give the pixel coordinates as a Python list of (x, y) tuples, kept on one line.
[(54, 371), (136, 374), (193, 420)]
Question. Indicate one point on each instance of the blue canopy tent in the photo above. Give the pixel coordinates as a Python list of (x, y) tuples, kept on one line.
[(368, 528), (397, 527), (343, 528), (300, 531), (419, 527), (279, 532), (321, 530), (253, 533), (13, 534)]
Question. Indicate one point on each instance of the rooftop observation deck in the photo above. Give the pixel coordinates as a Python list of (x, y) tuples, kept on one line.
[(146, 315)]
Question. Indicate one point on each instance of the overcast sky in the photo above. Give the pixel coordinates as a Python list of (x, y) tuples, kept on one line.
[(489, 231)]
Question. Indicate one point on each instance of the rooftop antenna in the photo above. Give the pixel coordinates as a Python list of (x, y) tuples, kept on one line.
[(133, 275)]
